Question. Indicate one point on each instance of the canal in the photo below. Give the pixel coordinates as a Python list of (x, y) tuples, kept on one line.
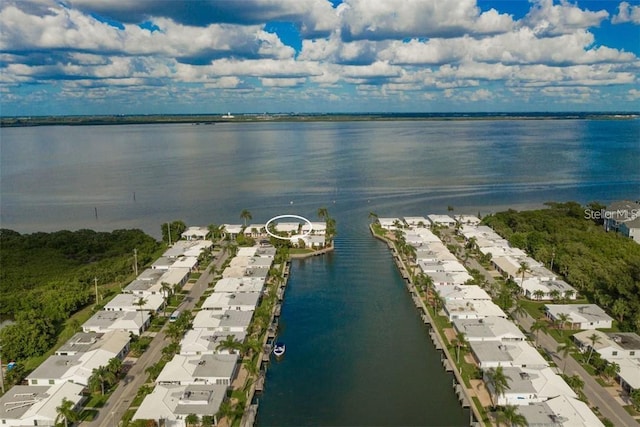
[(357, 352)]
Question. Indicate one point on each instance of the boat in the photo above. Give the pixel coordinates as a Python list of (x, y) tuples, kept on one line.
[(278, 349)]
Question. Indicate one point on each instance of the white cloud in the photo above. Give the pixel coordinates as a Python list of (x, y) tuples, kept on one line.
[(548, 19), (379, 20), (627, 13)]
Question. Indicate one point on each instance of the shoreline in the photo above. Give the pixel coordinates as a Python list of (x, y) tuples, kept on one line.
[(213, 119)]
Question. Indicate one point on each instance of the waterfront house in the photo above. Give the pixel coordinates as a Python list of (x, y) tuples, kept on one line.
[(466, 309), (315, 242), (467, 219), (441, 220), (163, 263), (489, 329), (195, 233), (223, 321), (509, 267), (255, 231), (561, 411), (462, 292), (239, 284), (623, 217), (317, 228), (491, 354), (199, 341), (232, 230), (416, 221), (246, 251), (28, 405), (204, 369), (129, 321), (390, 223), (445, 266), (288, 228), (610, 346), (127, 302), (581, 316), (529, 385), (243, 301), (169, 405)]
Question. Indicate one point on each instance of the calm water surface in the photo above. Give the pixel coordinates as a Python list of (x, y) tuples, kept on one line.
[(357, 353)]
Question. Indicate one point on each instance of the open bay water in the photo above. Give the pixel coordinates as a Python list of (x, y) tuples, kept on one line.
[(357, 353)]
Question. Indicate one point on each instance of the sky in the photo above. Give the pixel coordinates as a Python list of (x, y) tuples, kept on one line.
[(77, 57)]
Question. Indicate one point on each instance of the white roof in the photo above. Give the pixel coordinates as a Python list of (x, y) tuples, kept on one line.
[(195, 232), (174, 402), (246, 251), (234, 272), (175, 275), (515, 353), (488, 329), (77, 368), (104, 321), (415, 220), (541, 381), (478, 309), (315, 226), (227, 320), (388, 222), (575, 412), (630, 371), (287, 227), (204, 369), (233, 228), (451, 266), (23, 405), (467, 219), (224, 300), (81, 342), (441, 219), (535, 284), (186, 262), (462, 292), (239, 284), (126, 302), (204, 341), (579, 313)]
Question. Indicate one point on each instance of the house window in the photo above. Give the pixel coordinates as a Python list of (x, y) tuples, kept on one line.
[(614, 353), (52, 382), (632, 353)]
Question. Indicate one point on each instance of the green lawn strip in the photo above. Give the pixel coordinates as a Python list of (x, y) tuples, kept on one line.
[(483, 412)]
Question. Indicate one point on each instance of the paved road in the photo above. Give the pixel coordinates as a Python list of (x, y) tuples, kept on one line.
[(596, 394), (114, 409)]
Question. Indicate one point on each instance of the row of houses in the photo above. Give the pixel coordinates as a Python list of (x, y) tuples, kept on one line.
[(542, 396), (534, 279), (312, 235), (197, 379), (106, 335)]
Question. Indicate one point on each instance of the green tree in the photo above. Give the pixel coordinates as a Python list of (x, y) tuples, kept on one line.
[(373, 217), (32, 334), (175, 228), (101, 376), (498, 382), (563, 319), (538, 294), (66, 413), (523, 270), (511, 417), (460, 343), (140, 302), (323, 213), (593, 339), (230, 343), (114, 366), (192, 420), (620, 309), (245, 215), (537, 326)]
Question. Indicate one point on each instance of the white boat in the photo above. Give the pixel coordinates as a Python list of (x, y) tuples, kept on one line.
[(279, 349)]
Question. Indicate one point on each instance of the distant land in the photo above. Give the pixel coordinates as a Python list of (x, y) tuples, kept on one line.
[(210, 119)]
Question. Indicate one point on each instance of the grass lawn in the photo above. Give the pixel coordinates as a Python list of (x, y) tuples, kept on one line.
[(483, 412), (297, 251)]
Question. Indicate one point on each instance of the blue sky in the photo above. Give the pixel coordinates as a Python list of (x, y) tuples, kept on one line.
[(274, 56)]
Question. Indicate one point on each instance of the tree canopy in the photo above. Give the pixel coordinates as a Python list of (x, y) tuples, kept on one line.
[(604, 267)]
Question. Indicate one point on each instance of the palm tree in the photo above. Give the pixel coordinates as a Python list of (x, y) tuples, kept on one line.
[(568, 294), (537, 326), (524, 269), (245, 215), (166, 291), (323, 213), (230, 343), (192, 420), (460, 342), (538, 294), (66, 412), (509, 414), (563, 318), (498, 381), (620, 309), (215, 231), (563, 351), (611, 369), (115, 366), (101, 376), (555, 295), (140, 303), (594, 339)]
